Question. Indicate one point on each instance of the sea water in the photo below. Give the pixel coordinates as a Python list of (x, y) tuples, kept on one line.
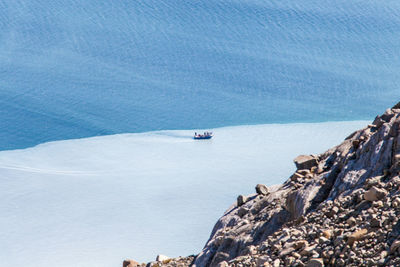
[(97, 201), (72, 69)]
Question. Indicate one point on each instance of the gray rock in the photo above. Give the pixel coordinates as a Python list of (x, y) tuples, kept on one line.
[(262, 189), (375, 222), (242, 211), (315, 263), (395, 245), (241, 200), (305, 162)]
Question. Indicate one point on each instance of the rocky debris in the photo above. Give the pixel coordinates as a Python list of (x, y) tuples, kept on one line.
[(340, 208), (262, 189), (171, 262), (305, 162)]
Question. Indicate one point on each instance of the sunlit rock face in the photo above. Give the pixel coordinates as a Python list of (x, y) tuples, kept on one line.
[(345, 201)]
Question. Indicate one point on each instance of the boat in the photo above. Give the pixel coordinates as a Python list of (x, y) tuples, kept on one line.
[(206, 135)]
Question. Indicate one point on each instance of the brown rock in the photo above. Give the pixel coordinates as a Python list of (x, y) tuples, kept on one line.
[(130, 263), (296, 176), (308, 250), (374, 194), (327, 234), (351, 221), (356, 143), (356, 236), (300, 244)]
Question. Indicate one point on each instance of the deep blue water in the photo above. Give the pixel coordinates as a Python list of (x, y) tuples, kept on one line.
[(71, 69)]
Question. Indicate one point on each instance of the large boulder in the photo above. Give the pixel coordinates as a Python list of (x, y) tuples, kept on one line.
[(161, 257), (305, 162), (130, 263), (262, 189), (374, 194)]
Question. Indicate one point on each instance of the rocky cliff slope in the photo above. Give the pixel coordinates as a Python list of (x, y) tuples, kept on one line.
[(340, 208)]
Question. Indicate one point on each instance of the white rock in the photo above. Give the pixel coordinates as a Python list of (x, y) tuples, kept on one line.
[(162, 258)]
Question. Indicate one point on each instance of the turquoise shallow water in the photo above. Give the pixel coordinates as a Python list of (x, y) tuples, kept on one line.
[(86, 68)]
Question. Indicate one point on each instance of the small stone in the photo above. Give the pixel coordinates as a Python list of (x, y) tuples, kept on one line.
[(327, 234), (370, 182), (289, 261), (323, 240), (223, 264), (356, 143), (296, 233), (333, 211), (130, 263), (296, 176), (396, 202), (395, 245), (340, 262), (277, 262), (262, 260), (161, 257), (262, 189), (375, 222), (356, 236), (351, 221), (276, 247), (300, 244), (241, 200), (315, 263), (378, 204), (242, 211), (308, 250), (296, 255), (299, 263), (383, 254)]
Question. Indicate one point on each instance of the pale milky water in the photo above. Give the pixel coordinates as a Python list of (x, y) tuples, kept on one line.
[(97, 201)]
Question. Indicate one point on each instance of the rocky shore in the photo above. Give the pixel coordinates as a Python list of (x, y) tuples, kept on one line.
[(340, 208)]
